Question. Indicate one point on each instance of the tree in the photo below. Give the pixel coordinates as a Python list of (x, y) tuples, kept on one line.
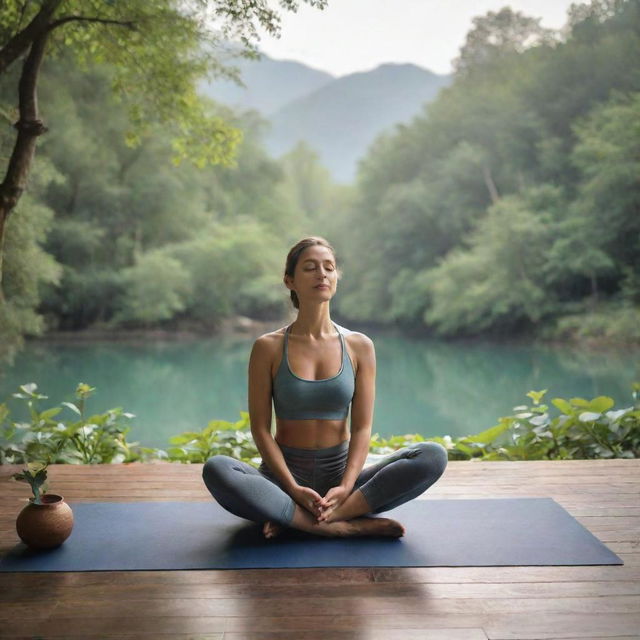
[(157, 48), (495, 283), (496, 34)]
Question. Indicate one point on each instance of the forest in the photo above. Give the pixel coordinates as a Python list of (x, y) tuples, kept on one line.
[(508, 208)]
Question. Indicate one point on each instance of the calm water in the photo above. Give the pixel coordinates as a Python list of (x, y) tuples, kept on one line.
[(423, 386)]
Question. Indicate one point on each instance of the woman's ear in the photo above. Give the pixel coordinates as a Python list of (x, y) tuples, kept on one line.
[(288, 282)]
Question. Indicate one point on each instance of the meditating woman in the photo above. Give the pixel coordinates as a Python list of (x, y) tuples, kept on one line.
[(311, 476)]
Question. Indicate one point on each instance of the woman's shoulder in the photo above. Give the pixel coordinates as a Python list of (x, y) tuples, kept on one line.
[(270, 339), (356, 339)]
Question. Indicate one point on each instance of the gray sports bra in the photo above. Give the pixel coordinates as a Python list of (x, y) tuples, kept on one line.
[(296, 398)]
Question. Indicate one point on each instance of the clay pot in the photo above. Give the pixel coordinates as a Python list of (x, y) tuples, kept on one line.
[(46, 525)]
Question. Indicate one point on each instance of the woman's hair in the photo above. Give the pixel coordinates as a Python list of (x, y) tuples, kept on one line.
[(294, 255)]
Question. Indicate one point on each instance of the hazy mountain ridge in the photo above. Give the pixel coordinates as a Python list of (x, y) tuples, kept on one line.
[(269, 84), (338, 117), (342, 118)]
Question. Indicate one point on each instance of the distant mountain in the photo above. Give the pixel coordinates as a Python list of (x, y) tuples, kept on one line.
[(342, 118), (270, 84), (338, 117)]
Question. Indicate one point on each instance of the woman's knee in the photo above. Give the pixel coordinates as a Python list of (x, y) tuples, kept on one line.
[(215, 468), (433, 457)]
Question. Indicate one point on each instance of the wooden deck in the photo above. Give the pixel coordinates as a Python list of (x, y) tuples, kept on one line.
[(387, 604)]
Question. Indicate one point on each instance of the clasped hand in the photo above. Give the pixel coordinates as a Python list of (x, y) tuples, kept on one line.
[(321, 507)]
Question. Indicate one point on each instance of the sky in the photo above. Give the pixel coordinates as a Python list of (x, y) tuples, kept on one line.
[(358, 35)]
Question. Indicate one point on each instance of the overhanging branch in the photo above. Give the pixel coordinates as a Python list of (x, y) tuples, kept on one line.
[(22, 40), (121, 23)]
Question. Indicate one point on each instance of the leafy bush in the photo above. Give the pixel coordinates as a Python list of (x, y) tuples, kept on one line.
[(611, 323), (99, 438), (218, 438), (157, 287), (582, 429)]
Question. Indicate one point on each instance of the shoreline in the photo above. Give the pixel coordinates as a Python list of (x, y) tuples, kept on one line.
[(248, 328)]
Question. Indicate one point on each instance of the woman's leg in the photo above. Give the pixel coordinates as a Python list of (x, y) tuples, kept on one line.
[(402, 476), (245, 492), (394, 480)]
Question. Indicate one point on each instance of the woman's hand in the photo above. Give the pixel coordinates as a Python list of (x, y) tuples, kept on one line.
[(308, 499), (334, 498)]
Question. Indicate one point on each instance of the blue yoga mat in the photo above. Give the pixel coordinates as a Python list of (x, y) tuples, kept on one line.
[(129, 536)]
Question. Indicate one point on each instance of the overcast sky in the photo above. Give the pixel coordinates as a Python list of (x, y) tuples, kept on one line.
[(358, 35)]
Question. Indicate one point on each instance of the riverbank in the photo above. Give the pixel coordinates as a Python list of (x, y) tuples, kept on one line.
[(607, 328), (236, 326)]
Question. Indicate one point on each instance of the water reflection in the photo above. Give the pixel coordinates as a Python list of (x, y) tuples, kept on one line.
[(459, 388), (423, 386)]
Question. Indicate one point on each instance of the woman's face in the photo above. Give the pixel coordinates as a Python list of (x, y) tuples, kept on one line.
[(315, 277)]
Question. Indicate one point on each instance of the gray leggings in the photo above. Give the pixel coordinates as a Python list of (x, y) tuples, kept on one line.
[(255, 494)]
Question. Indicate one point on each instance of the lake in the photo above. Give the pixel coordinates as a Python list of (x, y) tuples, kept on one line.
[(423, 386)]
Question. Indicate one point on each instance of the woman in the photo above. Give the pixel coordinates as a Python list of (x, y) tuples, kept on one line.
[(311, 476)]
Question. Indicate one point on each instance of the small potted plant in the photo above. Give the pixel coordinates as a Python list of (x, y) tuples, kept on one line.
[(47, 520)]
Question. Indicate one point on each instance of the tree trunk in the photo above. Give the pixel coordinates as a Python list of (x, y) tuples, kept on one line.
[(29, 128), (20, 42), (593, 303), (491, 185)]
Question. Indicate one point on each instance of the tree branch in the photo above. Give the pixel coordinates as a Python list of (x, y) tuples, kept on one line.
[(29, 127), (122, 23), (21, 41)]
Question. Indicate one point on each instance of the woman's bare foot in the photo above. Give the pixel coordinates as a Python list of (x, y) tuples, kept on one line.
[(375, 527), (271, 529), (361, 526)]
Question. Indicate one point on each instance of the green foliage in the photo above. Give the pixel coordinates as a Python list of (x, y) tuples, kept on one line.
[(497, 281), (118, 94), (219, 437), (156, 287), (157, 51), (143, 242), (234, 270), (512, 200), (499, 34), (36, 476), (608, 200), (89, 439), (612, 323), (27, 267), (583, 429)]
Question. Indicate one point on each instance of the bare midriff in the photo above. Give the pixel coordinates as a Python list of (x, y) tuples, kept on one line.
[(311, 434)]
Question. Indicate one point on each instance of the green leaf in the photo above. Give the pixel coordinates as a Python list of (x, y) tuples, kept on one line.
[(49, 413), (464, 448), (537, 396), (601, 404), (563, 405), (579, 402), (489, 435), (71, 406)]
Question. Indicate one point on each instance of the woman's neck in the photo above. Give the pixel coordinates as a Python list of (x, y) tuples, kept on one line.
[(315, 323)]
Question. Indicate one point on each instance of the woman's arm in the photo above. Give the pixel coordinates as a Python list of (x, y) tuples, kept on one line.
[(361, 410), (361, 424), (260, 389)]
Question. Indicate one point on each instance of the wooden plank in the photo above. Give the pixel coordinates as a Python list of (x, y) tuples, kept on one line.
[(457, 602), (114, 592)]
